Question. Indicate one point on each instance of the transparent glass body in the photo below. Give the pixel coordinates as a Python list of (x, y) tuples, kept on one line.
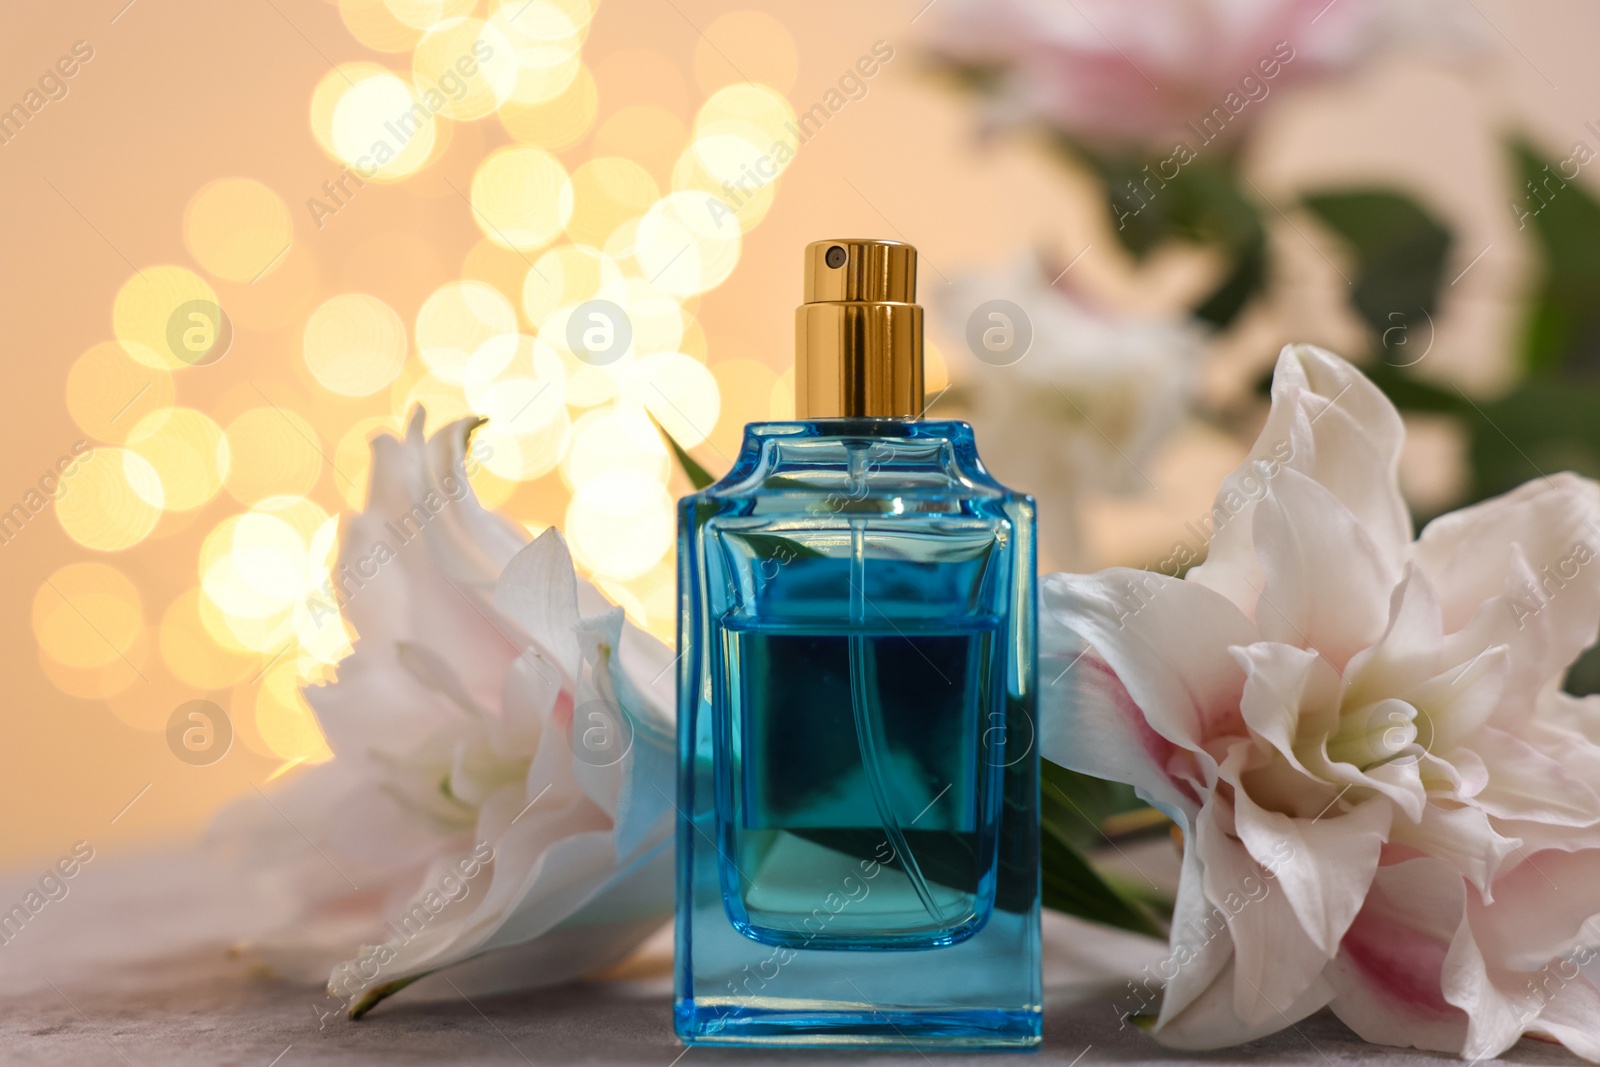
[(858, 780)]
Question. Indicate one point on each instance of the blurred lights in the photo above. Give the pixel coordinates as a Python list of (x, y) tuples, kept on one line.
[(148, 305), (112, 502), (108, 391), (688, 242), (188, 453), (521, 197), (651, 215), (458, 321), (354, 344), (237, 228), (273, 452)]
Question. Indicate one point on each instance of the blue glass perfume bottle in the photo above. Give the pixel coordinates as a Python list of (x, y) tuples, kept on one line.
[(858, 792)]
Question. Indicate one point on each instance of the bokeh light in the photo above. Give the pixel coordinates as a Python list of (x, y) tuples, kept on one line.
[(150, 305), (464, 68), (354, 344), (679, 392), (688, 242), (606, 192), (559, 121), (620, 523), (521, 197), (272, 452), (284, 719), (628, 179), (458, 320), (188, 453), (87, 615), (237, 228), (193, 655), (108, 391), (112, 502), (375, 25), (371, 120)]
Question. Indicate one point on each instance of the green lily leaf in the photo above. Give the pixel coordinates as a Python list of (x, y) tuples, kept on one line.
[(698, 476)]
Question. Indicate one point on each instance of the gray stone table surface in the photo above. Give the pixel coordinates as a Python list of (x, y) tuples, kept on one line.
[(132, 968)]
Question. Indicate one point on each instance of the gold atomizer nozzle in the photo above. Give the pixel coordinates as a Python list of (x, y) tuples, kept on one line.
[(858, 336)]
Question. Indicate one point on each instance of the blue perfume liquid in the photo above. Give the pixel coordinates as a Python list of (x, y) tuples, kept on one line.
[(858, 838)]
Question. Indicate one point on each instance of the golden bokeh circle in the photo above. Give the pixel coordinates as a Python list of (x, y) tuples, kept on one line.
[(109, 391), (565, 277), (606, 192), (193, 655), (237, 228), (688, 242), (559, 122), (426, 14), (107, 504), (521, 197), (273, 452), (354, 344), (613, 438), (188, 452), (620, 524), (87, 615), (373, 24), (679, 392), (285, 721), (143, 313), (370, 119), (464, 68), (457, 320)]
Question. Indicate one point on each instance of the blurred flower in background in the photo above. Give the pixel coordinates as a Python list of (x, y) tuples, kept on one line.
[(1117, 74), (1066, 396), (503, 743)]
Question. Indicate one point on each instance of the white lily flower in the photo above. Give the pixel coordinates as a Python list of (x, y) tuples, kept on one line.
[(1388, 804), (1074, 398), (503, 773)]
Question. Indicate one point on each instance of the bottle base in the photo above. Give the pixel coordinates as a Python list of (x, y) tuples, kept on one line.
[(823, 1025)]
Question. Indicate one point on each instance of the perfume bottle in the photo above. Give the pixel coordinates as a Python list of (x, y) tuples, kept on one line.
[(858, 790)]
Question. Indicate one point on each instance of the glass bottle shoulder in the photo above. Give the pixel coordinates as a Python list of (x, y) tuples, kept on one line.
[(859, 467)]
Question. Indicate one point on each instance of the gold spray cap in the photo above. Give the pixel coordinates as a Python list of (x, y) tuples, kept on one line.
[(858, 336)]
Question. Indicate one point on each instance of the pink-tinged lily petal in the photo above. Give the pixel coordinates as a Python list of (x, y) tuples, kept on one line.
[(1569, 1008), (1288, 690), (1541, 903), (1088, 722), (1460, 836), (1201, 951), (1408, 652), (1551, 611), (1275, 961), (1454, 706), (1324, 864), (1388, 974), (1487, 991), (1330, 423), (1327, 587), (1143, 625), (1528, 785), (539, 592)]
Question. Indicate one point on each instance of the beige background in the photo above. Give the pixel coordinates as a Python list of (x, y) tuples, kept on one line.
[(183, 91)]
